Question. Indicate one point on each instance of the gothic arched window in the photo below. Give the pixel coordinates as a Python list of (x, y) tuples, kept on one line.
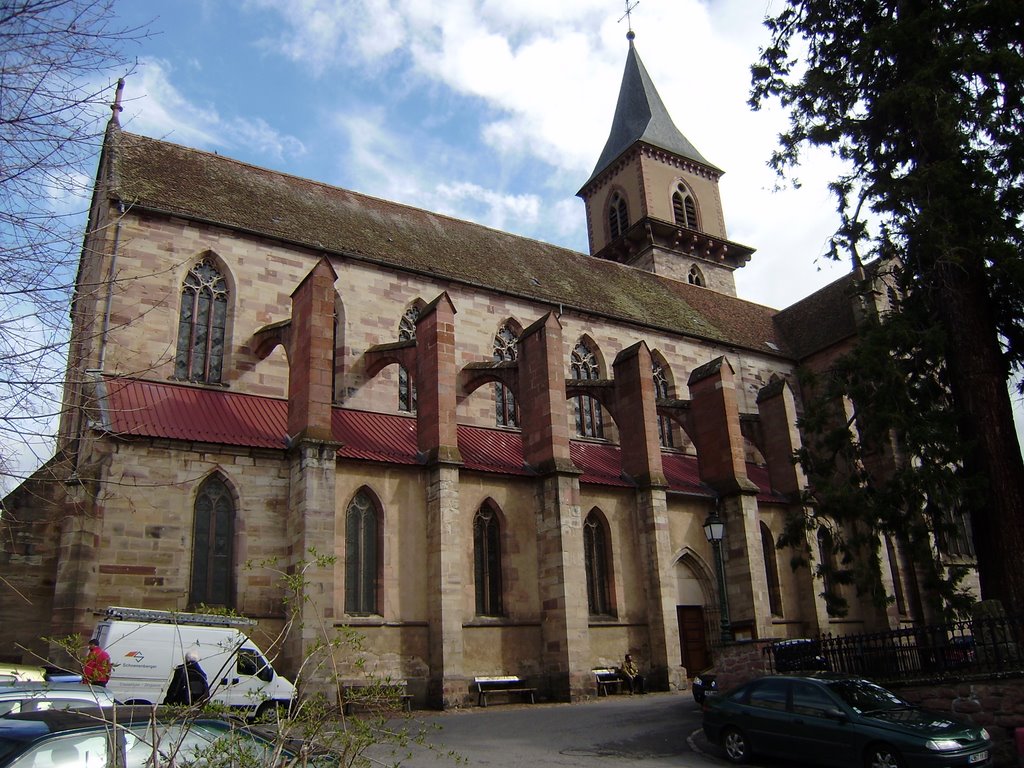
[(362, 555), (213, 535), (897, 579), (595, 554), (618, 215), (487, 562), (202, 325), (661, 391), (506, 412), (696, 277), (583, 365), (407, 387), (771, 571), (828, 566), (684, 209)]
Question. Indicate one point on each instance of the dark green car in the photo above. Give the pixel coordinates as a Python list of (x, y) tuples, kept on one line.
[(835, 720)]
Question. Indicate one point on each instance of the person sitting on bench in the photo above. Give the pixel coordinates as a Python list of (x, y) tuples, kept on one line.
[(631, 676)]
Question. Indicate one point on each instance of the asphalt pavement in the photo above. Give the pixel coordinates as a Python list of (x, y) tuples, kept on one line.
[(658, 729)]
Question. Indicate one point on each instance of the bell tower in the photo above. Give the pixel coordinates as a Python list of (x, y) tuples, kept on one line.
[(653, 201)]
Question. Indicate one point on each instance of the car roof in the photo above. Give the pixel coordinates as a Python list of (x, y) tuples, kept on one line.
[(821, 677), (123, 714), (18, 672), (32, 686)]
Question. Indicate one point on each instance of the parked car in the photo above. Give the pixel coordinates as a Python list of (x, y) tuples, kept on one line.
[(828, 719), (140, 737), (801, 654), (702, 686), (21, 673), (31, 697)]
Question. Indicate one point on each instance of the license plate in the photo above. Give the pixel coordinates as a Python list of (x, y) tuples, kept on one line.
[(978, 758)]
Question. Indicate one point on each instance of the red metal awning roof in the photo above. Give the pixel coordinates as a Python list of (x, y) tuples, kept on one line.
[(137, 408)]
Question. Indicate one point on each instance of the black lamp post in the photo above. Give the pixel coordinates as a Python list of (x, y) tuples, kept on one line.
[(714, 530)]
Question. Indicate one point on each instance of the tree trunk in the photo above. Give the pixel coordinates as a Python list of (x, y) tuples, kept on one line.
[(979, 386)]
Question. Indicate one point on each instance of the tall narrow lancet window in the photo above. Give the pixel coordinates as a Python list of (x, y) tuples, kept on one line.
[(406, 386), (506, 412), (684, 209), (771, 571), (595, 556), (487, 562), (583, 365), (661, 390), (362, 555), (696, 277), (827, 553), (897, 579), (202, 325), (618, 215), (213, 535)]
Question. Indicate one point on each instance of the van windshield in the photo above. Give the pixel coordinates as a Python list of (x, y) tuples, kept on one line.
[(252, 663)]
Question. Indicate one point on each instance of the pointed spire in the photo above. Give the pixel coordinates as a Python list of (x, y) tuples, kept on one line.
[(640, 115), (116, 107)]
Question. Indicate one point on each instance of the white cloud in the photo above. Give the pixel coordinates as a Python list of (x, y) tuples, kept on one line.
[(495, 209), (155, 107)]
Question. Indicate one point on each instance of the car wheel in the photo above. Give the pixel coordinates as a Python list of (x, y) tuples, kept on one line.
[(883, 756), (737, 748), (698, 695)]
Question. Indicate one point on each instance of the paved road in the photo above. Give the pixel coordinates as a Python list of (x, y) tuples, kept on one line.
[(652, 730)]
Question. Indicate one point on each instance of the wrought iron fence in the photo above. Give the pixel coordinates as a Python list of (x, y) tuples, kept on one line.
[(983, 646)]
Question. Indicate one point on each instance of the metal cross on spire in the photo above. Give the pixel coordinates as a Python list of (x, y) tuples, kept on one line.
[(629, 17)]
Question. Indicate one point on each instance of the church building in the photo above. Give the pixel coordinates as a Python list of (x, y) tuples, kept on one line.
[(486, 454)]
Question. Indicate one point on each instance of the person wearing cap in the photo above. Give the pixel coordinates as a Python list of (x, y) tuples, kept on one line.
[(188, 683), (97, 666)]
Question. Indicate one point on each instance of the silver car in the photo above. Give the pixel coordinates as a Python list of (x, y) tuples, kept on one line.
[(33, 697)]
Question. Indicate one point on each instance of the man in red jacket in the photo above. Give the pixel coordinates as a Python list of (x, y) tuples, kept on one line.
[(96, 670)]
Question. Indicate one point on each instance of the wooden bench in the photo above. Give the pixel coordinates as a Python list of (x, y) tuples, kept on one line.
[(503, 684), (379, 695), (608, 681)]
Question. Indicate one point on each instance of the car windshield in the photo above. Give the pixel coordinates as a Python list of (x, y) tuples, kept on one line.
[(864, 696)]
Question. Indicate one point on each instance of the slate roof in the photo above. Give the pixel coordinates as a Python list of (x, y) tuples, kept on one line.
[(177, 180), (156, 409), (823, 319), (640, 115)]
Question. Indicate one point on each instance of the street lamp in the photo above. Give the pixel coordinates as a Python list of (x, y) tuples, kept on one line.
[(714, 530)]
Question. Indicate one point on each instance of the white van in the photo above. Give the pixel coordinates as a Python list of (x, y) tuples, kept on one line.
[(145, 646)]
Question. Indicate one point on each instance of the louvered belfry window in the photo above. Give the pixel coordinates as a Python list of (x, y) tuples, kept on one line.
[(618, 215), (202, 325), (684, 210)]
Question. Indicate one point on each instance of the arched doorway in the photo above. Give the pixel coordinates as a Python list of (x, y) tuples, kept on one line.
[(692, 595)]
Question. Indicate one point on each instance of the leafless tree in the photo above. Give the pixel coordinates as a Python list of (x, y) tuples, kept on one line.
[(59, 60)]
